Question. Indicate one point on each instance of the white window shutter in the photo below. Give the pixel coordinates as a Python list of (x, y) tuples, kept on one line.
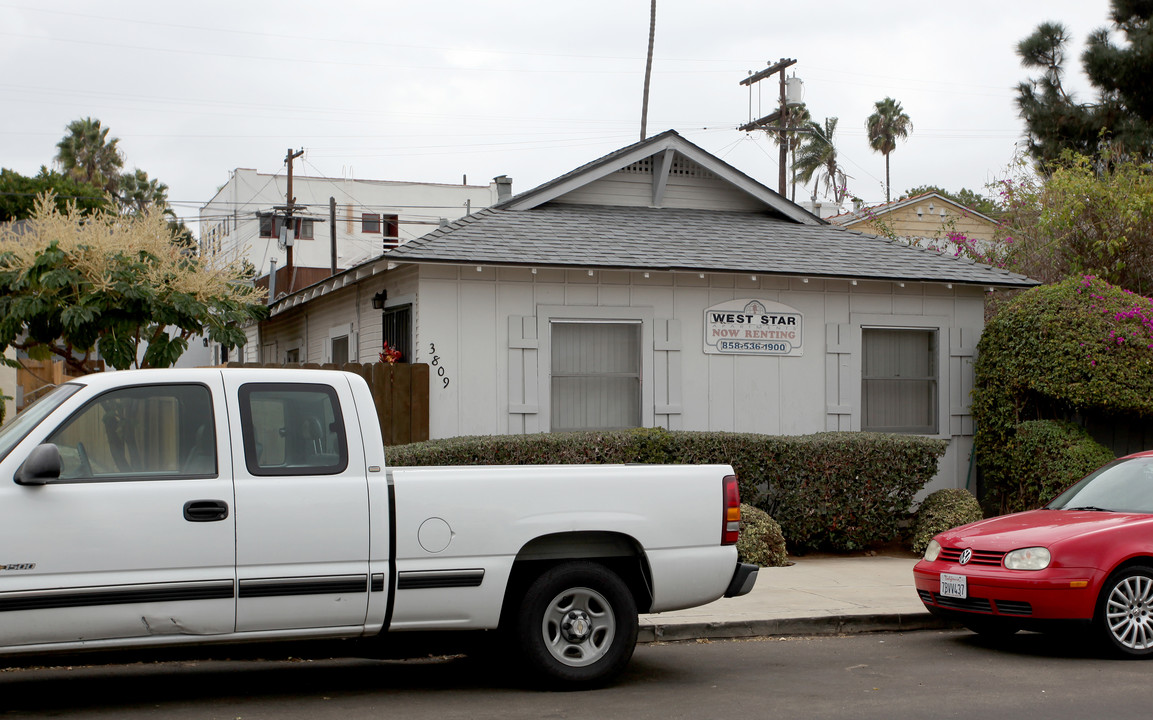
[(523, 403)]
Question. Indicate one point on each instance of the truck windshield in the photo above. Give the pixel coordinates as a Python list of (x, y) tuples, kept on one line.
[(18, 427)]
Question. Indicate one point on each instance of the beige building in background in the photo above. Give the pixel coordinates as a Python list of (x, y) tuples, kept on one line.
[(925, 220)]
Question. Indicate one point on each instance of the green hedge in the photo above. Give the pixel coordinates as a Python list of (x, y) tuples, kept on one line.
[(834, 491), (942, 510), (1042, 459)]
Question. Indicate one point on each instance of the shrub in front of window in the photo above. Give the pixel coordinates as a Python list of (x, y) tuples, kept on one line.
[(940, 511)]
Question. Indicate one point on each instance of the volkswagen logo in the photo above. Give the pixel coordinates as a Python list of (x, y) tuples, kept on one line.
[(966, 556)]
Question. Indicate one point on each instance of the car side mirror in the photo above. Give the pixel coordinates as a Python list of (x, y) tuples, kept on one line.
[(42, 465)]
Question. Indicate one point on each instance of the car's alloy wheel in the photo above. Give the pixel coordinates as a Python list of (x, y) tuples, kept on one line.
[(1125, 611)]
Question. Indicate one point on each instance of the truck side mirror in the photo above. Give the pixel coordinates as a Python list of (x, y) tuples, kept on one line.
[(42, 465)]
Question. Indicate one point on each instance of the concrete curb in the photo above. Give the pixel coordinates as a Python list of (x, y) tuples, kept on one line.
[(824, 625)]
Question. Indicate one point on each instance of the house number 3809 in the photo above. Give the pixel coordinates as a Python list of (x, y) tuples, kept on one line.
[(435, 362)]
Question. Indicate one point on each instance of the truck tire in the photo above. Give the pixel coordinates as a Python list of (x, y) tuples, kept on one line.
[(577, 626)]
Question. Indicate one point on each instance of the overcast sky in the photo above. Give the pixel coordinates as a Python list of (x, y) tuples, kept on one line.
[(437, 91)]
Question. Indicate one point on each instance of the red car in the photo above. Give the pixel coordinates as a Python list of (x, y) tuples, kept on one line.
[(1086, 557)]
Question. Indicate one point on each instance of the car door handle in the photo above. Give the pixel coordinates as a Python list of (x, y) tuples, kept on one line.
[(205, 510)]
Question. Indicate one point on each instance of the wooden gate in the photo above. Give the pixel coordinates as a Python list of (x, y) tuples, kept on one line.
[(400, 392)]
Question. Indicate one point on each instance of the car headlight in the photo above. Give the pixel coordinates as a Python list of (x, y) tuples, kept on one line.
[(1034, 558), (932, 550)]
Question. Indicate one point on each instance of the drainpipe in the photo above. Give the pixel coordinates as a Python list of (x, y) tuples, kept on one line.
[(271, 281)]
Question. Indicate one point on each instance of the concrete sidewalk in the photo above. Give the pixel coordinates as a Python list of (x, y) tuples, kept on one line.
[(817, 595)]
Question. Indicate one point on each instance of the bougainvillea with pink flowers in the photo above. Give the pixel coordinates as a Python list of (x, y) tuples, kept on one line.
[(1075, 349)]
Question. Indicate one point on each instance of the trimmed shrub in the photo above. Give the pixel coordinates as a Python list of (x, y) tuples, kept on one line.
[(941, 510), (761, 541), (836, 491), (1079, 346), (1043, 458)]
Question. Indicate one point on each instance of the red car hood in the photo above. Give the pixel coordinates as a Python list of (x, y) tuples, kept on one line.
[(1041, 528)]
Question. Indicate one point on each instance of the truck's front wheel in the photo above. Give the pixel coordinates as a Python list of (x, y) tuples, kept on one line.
[(577, 626)]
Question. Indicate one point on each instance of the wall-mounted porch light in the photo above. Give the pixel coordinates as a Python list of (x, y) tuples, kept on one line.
[(378, 300)]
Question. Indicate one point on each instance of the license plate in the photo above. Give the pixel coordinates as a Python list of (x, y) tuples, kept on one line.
[(954, 586)]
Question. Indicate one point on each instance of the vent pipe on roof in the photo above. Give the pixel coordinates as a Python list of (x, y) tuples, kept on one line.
[(503, 187)]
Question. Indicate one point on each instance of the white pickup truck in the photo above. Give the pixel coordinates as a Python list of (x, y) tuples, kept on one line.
[(165, 507)]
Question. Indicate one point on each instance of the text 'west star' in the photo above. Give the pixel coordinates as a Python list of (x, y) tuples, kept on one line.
[(751, 319)]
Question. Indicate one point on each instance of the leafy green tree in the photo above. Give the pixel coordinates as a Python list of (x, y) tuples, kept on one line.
[(888, 124), (1085, 218), (964, 196), (1123, 71), (18, 193), (816, 161), (88, 155), (72, 285), (1119, 123)]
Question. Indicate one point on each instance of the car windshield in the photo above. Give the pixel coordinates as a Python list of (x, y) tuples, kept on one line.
[(1121, 486), (18, 427)]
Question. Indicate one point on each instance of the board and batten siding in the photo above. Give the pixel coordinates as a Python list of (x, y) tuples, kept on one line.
[(347, 309), (485, 336), (634, 187)]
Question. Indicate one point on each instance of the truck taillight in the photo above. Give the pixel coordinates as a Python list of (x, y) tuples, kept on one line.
[(731, 521)]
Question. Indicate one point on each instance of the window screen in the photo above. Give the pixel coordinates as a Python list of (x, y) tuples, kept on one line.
[(596, 378), (899, 380)]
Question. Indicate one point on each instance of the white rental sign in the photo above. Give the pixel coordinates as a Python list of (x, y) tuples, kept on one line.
[(753, 327)]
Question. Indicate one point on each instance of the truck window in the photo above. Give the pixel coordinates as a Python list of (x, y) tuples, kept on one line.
[(144, 432), (17, 428), (292, 429)]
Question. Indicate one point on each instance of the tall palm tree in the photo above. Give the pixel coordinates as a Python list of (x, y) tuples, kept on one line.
[(816, 161), (87, 154), (137, 191), (885, 126)]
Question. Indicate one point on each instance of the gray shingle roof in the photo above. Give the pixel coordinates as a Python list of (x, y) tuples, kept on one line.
[(639, 238)]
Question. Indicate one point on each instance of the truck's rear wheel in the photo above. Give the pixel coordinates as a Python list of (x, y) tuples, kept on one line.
[(577, 626)]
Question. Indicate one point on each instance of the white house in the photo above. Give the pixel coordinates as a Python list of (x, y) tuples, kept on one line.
[(660, 286)]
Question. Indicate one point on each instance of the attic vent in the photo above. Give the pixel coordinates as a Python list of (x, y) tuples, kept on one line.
[(640, 167), (683, 167)]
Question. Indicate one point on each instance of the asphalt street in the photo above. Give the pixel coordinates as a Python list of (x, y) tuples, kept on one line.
[(937, 673)]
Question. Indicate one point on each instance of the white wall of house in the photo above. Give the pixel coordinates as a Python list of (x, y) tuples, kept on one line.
[(485, 335), (230, 226)]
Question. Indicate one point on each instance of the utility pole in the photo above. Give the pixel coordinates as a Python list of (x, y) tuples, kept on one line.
[(648, 70), (777, 120), (290, 204), (332, 230)]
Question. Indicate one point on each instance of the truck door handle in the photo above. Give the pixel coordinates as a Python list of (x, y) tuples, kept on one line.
[(205, 510)]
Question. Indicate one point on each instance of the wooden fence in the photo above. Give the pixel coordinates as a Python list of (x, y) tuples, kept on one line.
[(36, 377), (400, 392)]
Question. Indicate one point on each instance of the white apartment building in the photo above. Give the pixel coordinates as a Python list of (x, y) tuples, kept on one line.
[(246, 218)]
